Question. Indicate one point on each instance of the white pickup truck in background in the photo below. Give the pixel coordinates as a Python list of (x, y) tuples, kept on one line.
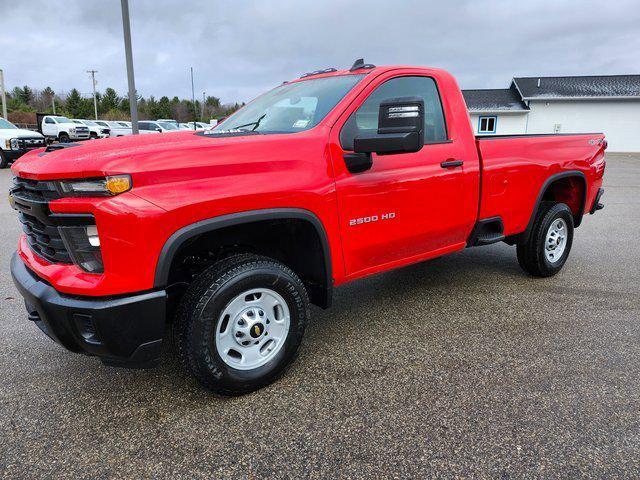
[(95, 131), (57, 127), (116, 128), (15, 142)]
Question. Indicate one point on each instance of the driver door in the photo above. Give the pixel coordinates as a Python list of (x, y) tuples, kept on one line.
[(407, 206)]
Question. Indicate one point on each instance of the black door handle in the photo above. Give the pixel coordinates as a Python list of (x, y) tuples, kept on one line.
[(452, 163)]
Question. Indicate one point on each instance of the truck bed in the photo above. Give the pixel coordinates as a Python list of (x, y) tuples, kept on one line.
[(516, 168)]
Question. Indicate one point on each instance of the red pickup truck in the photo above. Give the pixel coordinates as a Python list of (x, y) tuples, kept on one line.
[(227, 236)]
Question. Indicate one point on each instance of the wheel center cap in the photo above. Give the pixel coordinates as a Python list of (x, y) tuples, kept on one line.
[(256, 330)]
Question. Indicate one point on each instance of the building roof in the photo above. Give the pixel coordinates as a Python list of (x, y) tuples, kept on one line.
[(583, 87), (494, 100)]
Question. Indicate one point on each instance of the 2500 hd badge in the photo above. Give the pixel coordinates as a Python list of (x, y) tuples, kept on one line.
[(372, 218)]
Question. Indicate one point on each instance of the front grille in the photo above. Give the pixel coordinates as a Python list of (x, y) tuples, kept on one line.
[(31, 199), (31, 143)]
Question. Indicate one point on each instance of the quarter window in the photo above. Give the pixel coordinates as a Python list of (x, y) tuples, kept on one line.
[(365, 119), (487, 124)]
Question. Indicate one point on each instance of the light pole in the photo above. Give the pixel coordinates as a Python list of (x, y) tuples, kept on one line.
[(133, 103), (95, 101), (4, 97), (203, 100), (193, 99)]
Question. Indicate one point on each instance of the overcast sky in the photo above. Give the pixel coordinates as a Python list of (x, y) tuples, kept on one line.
[(240, 48)]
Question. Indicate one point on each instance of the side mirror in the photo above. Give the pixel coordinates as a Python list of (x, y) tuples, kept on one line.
[(158, 129), (400, 128)]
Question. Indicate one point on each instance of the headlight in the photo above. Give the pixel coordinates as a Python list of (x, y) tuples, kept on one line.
[(14, 143), (83, 245), (72, 129), (97, 187)]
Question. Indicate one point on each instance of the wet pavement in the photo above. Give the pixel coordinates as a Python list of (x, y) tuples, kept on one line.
[(462, 366)]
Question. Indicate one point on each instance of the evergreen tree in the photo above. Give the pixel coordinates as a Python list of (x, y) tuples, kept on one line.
[(110, 100), (74, 103)]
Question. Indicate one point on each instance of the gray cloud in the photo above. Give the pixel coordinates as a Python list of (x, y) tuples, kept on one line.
[(239, 49)]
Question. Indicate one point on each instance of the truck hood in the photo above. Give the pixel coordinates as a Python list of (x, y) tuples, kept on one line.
[(137, 154), (18, 133)]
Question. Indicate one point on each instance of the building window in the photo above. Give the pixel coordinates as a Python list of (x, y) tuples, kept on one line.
[(487, 124)]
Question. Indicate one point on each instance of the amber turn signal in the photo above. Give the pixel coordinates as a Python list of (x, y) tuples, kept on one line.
[(118, 184)]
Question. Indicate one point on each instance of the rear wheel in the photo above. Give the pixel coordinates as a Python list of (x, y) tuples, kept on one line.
[(547, 248), (240, 323)]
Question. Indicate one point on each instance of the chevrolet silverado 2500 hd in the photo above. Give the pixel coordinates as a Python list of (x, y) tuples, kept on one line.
[(227, 236)]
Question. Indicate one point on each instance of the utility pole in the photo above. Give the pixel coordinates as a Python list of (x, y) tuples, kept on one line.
[(4, 97), (193, 99), (203, 100), (133, 100), (95, 101), (53, 104)]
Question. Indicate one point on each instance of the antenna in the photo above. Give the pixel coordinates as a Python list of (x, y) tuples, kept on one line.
[(359, 64)]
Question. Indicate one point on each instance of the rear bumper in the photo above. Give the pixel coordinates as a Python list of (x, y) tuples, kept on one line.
[(596, 202), (121, 331)]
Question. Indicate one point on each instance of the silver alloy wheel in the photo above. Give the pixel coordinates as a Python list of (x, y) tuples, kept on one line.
[(252, 329), (556, 240)]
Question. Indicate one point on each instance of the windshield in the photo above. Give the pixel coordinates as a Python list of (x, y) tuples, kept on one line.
[(89, 123), (292, 107), (6, 124), (63, 120), (168, 126), (123, 124)]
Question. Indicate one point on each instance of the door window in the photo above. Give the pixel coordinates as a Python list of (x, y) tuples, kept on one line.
[(49, 120), (365, 119)]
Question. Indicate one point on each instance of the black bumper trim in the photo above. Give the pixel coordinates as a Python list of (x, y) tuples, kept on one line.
[(122, 331)]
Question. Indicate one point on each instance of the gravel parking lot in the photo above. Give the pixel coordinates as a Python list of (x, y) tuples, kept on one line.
[(462, 366)]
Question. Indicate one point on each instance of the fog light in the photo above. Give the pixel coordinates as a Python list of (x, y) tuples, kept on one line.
[(83, 245)]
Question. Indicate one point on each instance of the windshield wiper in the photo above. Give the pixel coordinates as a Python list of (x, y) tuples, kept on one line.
[(256, 123)]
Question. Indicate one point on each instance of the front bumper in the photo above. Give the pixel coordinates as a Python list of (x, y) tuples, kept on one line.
[(122, 331), (13, 155)]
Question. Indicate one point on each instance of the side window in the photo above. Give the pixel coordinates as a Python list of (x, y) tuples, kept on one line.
[(143, 126), (487, 124), (49, 120), (365, 119)]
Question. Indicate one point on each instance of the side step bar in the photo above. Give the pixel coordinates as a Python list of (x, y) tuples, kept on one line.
[(486, 232)]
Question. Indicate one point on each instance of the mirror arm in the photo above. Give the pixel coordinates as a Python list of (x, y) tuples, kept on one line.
[(358, 162)]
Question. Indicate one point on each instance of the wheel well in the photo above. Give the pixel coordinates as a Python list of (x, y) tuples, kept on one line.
[(569, 190), (292, 241)]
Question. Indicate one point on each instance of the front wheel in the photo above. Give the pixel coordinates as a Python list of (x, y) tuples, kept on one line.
[(240, 323), (63, 138), (548, 246), (4, 163)]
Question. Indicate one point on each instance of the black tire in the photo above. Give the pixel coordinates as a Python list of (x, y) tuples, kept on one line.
[(93, 136), (198, 318), (63, 138), (531, 254), (4, 162)]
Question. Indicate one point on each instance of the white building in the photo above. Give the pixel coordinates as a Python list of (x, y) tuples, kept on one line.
[(609, 104)]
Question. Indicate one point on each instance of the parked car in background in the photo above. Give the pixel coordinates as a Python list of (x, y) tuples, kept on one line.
[(199, 126), (185, 126), (115, 128), (125, 123), (168, 120), (15, 142), (149, 126), (57, 127), (95, 131)]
